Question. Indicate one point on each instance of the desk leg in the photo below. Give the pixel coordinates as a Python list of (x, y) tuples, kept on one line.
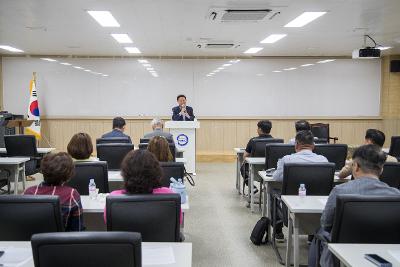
[(250, 186), (265, 207), (237, 174), (289, 243), (16, 175), (296, 253), (23, 176)]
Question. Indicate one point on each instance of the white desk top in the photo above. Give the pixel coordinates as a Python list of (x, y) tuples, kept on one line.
[(97, 205), (266, 178), (239, 150), (181, 253), (306, 204), (13, 160), (353, 254), (183, 160), (255, 161), (40, 150)]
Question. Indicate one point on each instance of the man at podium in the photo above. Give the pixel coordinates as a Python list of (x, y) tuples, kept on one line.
[(182, 112)]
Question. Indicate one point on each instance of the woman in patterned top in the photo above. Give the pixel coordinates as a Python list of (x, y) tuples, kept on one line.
[(57, 168)]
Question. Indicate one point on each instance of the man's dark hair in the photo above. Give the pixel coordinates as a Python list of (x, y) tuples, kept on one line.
[(141, 171), (177, 98), (377, 137), (305, 138), (265, 126), (370, 158), (57, 168), (118, 122), (80, 146), (302, 125)]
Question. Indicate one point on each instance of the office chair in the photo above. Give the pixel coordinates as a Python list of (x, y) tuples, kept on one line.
[(113, 154), (259, 146), (394, 149), (87, 249), (155, 216), (25, 215), (171, 169), (147, 140), (318, 180), (86, 170), (391, 174), (113, 140), (171, 148), (274, 152), (321, 131), (335, 153)]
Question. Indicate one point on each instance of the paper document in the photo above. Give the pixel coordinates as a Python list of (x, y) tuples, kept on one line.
[(395, 254), (14, 257), (157, 255), (323, 201)]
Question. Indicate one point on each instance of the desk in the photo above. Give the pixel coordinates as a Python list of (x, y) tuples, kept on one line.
[(40, 150), (252, 164), (353, 254), (182, 252), (303, 212), (17, 164), (239, 160)]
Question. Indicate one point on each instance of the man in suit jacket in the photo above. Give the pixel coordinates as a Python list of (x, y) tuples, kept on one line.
[(118, 129), (158, 125), (182, 112)]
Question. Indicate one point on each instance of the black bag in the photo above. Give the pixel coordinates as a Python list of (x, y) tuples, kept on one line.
[(259, 231)]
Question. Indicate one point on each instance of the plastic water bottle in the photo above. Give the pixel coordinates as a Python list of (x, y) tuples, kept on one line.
[(92, 189), (302, 190)]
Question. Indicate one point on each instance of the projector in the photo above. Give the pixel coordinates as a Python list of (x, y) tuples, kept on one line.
[(366, 53)]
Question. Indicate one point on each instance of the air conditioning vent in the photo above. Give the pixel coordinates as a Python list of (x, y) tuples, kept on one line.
[(218, 46), (245, 14)]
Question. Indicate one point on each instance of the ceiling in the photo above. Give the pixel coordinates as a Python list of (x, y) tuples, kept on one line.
[(175, 27)]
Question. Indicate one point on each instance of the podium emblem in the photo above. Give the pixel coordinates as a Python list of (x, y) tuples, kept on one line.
[(182, 139)]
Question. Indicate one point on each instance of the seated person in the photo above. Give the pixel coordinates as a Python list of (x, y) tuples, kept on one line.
[(80, 147), (159, 146), (141, 173), (301, 125), (303, 147), (372, 136), (367, 166), (263, 130), (158, 125), (57, 168), (118, 129)]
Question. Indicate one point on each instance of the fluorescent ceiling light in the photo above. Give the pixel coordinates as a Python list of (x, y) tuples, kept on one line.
[(277, 71), (122, 38), (149, 68), (226, 65), (253, 50), (304, 19), (384, 47), (154, 74), (65, 63), (325, 61), (146, 65), (234, 61), (220, 68), (290, 69), (273, 38), (216, 70), (142, 61), (87, 70), (104, 18), (260, 74), (208, 75), (79, 68), (11, 49), (105, 75), (47, 59), (132, 50), (306, 65), (152, 71)]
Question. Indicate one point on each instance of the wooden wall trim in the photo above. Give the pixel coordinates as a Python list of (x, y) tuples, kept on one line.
[(216, 118)]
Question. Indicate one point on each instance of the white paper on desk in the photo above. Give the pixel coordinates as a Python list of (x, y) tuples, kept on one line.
[(323, 201), (395, 254), (15, 257), (158, 255)]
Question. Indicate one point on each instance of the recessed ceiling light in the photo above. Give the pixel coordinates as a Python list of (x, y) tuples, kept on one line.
[(273, 38), (122, 38), (149, 68), (290, 69), (77, 67), (253, 50), (304, 19), (154, 74), (208, 75), (220, 68), (260, 74), (226, 65), (384, 47), (47, 59), (11, 49), (65, 63), (132, 50), (234, 61), (87, 70), (306, 65), (277, 71), (105, 75), (142, 61), (325, 61), (146, 65), (104, 18)]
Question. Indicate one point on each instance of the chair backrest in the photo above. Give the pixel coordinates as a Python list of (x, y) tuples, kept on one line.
[(391, 174), (273, 152), (25, 215), (87, 249), (317, 178), (258, 149), (86, 170), (156, 217), (171, 147), (20, 145), (113, 140), (335, 153), (147, 140), (171, 169), (366, 219), (394, 149), (320, 130), (113, 154)]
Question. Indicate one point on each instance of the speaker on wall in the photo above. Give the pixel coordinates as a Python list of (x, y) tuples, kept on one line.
[(395, 66)]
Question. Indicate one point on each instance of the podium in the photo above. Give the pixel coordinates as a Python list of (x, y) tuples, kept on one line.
[(19, 123), (184, 133)]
